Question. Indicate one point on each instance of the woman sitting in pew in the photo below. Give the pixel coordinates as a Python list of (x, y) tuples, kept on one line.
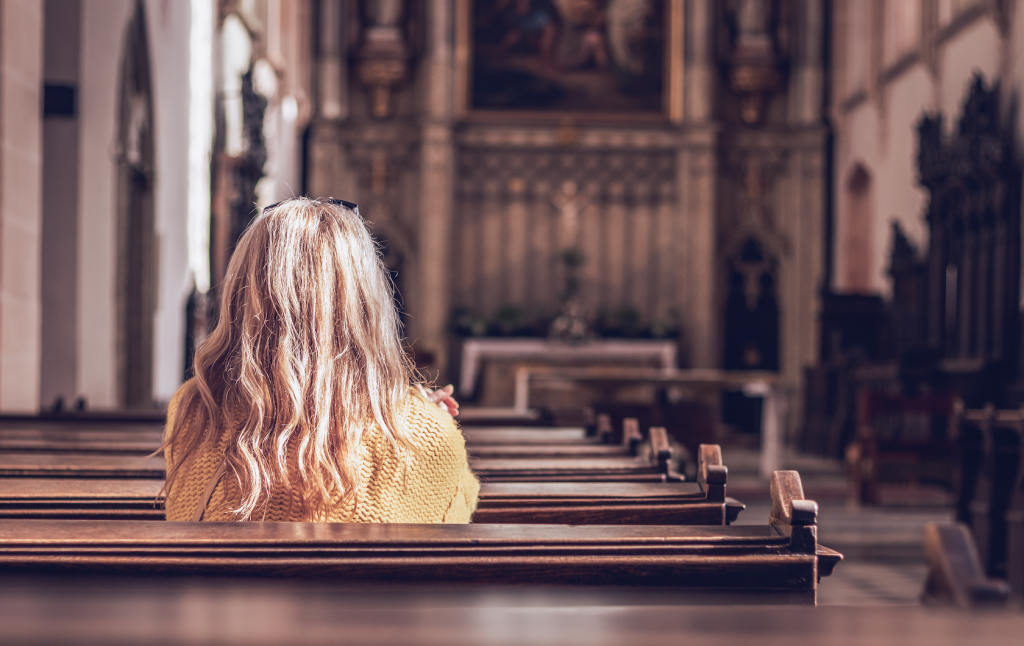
[(301, 407)]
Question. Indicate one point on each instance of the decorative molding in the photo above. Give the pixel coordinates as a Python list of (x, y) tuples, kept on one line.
[(383, 58), (539, 174), (582, 138)]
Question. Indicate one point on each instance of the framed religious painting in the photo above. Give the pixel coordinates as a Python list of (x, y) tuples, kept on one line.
[(575, 59)]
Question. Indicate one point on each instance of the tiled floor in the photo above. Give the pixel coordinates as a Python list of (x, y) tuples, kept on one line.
[(883, 545), (873, 583)]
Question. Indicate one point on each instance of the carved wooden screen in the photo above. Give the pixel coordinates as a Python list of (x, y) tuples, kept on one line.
[(973, 259), (537, 225)]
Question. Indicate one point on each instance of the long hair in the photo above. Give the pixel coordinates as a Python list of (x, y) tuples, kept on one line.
[(307, 352)]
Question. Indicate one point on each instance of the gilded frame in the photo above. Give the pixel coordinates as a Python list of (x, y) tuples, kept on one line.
[(672, 87)]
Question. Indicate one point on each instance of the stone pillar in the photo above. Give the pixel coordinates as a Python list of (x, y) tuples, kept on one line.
[(429, 297), (328, 171), (806, 89), (698, 78), (21, 58), (697, 164), (59, 228)]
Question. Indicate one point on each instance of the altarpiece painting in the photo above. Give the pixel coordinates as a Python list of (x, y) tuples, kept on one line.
[(584, 57)]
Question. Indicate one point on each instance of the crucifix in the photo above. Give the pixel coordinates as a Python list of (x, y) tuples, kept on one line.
[(570, 202), (572, 324)]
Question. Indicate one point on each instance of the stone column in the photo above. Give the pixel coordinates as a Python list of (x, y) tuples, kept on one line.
[(807, 80), (328, 171), (430, 295), (697, 163), (21, 58)]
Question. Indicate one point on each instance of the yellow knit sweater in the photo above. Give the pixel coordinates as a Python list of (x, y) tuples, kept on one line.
[(438, 486)]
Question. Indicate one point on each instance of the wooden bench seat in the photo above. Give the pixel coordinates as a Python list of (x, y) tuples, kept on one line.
[(63, 440), (517, 435), (781, 558), (541, 451), (77, 438), (559, 469), (101, 465)]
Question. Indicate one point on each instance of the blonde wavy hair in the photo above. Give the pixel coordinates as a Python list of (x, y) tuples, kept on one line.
[(307, 350)]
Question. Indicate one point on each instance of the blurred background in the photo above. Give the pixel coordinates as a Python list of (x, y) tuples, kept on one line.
[(826, 190)]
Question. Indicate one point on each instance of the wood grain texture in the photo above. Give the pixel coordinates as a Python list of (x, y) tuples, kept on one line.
[(714, 558), (520, 435), (80, 465)]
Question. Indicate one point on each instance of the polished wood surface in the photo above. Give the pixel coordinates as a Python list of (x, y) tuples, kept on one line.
[(532, 451), (519, 435), (739, 559), (258, 613), (781, 557)]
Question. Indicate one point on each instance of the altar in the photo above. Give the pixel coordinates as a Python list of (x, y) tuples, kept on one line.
[(489, 365)]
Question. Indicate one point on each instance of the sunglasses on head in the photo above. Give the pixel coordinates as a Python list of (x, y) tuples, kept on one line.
[(329, 200)]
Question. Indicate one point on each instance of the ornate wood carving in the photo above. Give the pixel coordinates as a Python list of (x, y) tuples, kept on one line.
[(973, 261)]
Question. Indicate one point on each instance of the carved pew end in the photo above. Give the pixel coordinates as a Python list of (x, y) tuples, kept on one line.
[(661, 454), (955, 575), (604, 428), (794, 516), (711, 473), (631, 435)]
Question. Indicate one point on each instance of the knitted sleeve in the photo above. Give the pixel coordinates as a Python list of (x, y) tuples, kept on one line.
[(443, 456)]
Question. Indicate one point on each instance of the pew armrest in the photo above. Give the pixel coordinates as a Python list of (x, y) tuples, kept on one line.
[(604, 428), (792, 515), (712, 475), (631, 435), (789, 506)]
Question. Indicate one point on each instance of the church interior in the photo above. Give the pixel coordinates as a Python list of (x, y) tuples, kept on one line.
[(729, 291)]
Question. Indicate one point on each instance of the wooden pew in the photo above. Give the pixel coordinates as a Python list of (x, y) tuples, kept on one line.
[(1001, 434), (653, 465), (1015, 534), (907, 435), (955, 573), (573, 503), (564, 469), (703, 502), (69, 437), (780, 560)]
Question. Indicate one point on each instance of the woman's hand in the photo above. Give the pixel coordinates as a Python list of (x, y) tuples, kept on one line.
[(443, 398)]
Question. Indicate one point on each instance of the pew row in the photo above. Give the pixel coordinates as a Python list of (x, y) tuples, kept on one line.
[(101, 465), (780, 560), (703, 502), (73, 437), (567, 467)]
